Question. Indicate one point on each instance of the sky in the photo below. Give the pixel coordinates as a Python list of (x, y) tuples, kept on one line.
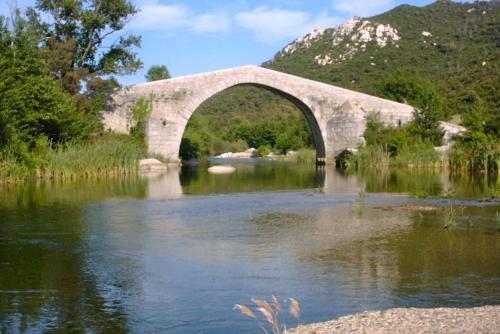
[(194, 36)]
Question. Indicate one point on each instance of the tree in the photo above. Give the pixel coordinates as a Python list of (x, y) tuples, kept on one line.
[(33, 103), (74, 34), (4, 131), (408, 87), (477, 117), (430, 106), (157, 72)]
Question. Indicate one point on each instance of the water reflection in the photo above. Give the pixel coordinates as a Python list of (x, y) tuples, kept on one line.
[(145, 255), (44, 281), (249, 177)]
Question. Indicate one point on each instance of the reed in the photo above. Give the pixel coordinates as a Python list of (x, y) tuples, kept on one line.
[(109, 155), (377, 156), (306, 155), (270, 320)]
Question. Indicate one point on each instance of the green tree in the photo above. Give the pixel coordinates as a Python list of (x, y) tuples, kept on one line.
[(93, 100), (73, 36), (33, 103), (141, 112), (478, 148), (193, 146), (4, 131), (157, 72), (477, 117), (430, 106)]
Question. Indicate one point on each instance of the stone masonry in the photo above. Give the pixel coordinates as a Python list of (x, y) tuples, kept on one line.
[(337, 116)]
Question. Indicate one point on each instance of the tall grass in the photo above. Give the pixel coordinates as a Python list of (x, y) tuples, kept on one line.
[(377, 156), (304, 155), (105, 156)]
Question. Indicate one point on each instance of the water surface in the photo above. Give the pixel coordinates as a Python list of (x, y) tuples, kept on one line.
[(174, 253)]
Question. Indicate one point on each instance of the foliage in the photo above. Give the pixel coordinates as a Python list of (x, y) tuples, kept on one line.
[(390, 146), (479, 147), (93, 101), (193, 146), (33, 103), (290, 134), (157, 72), (304, 155), (410, 88), (476, 151), (140, 111), (107, 155), (74, 33), (5, 132), (423, 95), (247, 116), (264, 150), (45, 120)]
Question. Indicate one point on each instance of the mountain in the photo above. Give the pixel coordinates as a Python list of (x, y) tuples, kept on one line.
[(455, 46)]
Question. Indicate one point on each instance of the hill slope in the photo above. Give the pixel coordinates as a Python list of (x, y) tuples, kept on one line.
[(456, 46)]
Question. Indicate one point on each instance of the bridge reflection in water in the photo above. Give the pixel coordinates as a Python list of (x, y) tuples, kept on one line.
[(274, 176), (178, 182)]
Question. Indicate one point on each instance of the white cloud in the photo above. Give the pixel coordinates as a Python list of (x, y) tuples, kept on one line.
[(155, 16), (363, 7), (267, 24), (211, 23), (270, 25)]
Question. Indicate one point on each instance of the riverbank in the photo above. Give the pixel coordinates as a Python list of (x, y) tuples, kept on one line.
[(485, 320), (106, 155)]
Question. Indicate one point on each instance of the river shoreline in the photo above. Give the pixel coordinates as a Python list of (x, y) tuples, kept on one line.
[(485, 320)]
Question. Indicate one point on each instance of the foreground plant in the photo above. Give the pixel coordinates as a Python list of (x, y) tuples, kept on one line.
[(270, 312), (451, 214)]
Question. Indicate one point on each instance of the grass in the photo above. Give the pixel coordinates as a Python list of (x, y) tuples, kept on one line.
[(376, 156), (270, 321), (105, 156), (451, 214), (304, 155)]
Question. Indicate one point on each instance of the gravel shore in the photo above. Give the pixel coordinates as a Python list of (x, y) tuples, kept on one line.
[(478, 320)]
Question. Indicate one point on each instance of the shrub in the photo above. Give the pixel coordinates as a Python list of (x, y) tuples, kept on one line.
[(141, 112)]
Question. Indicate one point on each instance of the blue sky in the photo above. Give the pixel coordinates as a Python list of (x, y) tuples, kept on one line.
[(193, 36)]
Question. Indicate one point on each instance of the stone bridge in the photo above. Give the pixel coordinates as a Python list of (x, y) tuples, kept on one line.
[(337, 116)]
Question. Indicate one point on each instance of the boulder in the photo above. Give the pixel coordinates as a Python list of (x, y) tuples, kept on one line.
[(151, 166), (221, 169)]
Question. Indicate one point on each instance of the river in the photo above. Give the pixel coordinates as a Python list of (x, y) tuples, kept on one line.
[(174, 253)]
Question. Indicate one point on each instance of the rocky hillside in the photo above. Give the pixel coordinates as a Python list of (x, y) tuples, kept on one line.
[(454, 45)]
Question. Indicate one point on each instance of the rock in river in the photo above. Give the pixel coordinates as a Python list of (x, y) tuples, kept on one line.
[(221, 169), (152, 166)]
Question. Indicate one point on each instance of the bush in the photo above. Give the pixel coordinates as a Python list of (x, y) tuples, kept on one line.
[(389, 146), (305, 155), (141, 112), (264, 150), (193, 146), (475, 151), (430, 105)]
